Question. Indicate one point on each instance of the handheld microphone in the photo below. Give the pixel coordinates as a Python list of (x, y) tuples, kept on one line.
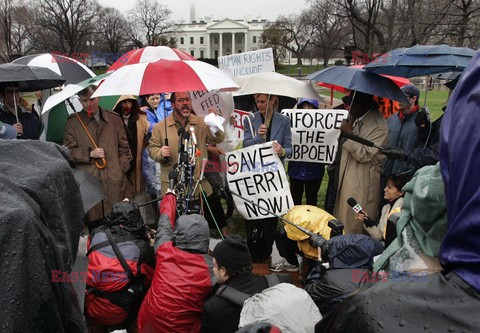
[(172, 176), (192, 133), (358, 209)]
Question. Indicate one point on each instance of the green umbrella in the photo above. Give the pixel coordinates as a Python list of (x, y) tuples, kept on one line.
[(58, 107)]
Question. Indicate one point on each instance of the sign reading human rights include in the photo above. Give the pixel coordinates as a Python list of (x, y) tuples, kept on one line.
[(247, 63)]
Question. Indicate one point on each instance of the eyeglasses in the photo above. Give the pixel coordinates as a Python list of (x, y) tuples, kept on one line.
[(181, 100)]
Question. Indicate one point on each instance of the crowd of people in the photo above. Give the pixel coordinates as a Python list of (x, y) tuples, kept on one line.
[(128, 150)]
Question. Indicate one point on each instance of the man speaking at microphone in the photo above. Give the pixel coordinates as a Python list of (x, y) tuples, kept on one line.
[(360, 165), (184, 117)]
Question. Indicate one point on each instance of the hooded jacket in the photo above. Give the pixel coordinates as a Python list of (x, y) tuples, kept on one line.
[(183, 274)]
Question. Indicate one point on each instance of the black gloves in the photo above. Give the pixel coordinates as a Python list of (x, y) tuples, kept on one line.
[(394, 153)]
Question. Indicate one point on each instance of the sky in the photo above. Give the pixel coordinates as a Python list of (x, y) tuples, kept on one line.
[(220, 9)]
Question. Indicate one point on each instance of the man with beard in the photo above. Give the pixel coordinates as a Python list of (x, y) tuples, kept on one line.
[(183, 117)]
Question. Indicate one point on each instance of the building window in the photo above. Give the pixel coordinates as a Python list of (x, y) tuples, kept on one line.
[(254, 39), (239, 51), (191, 40), (192, 53), (182, 40), (202, 54), (201, 40), (216, 53)]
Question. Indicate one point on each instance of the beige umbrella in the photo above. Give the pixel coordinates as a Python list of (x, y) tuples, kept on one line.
[(273, 83)]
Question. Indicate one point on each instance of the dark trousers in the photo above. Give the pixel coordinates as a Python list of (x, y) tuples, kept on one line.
[(260, 237), (287, 248), (331, 196), (311, 188), (215, 205)]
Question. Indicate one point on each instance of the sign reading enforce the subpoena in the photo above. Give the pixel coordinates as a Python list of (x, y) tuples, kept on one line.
[(315, 134), (247, 63)]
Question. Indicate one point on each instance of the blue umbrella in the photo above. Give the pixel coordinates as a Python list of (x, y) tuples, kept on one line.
[(360, 80), (420, 60)]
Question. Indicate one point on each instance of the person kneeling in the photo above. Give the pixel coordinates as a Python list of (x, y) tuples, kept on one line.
[(232, 266)]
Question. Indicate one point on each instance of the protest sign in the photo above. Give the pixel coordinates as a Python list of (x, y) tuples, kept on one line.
[(315, 134), (256, 173), (203, 100), (247, 63)]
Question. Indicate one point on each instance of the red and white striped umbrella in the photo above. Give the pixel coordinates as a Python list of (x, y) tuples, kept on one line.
[(165, 76), (150, 54)]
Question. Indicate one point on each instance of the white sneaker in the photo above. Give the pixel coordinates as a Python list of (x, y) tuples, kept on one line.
[(284, 266)]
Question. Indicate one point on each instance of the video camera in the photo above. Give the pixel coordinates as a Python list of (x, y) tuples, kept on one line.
[(318, 241)]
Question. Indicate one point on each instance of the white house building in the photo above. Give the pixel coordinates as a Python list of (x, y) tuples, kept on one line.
[(214, 38)]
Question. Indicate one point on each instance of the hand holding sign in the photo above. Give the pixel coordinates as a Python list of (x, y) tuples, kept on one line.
[(277, 148), (257, 173)]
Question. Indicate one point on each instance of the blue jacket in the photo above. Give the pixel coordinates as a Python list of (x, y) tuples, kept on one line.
[(280, 131), (402, 134), (154, 117), (459, 161), (305, 170)]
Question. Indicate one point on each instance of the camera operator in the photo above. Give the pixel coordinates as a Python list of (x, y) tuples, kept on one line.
[(350, 258), (183, 117)]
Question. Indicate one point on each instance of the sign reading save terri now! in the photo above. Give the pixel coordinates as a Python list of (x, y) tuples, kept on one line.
[(247, 63), (257, 174)]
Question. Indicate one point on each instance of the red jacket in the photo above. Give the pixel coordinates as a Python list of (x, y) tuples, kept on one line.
[(105, 273), (183, 274)]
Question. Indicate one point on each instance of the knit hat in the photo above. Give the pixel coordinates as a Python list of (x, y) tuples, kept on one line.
[(232, 253)]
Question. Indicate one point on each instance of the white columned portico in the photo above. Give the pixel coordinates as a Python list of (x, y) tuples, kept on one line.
[(208, 46), (233, 43), (245, 41), (220, 51)]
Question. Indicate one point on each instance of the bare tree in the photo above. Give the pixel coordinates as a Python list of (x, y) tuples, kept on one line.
[(272, 38), (463, 21), (15, 27), (65, 25), (152, 20), (112, 29), (296, 33), (329, 32)]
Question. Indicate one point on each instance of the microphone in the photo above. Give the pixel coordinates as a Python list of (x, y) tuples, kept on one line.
[(194, 137), (181, 147), (172, 176), (204, 163), (358, 209), (358, 139)]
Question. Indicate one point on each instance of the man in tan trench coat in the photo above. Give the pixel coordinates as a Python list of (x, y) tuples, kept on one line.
[(106, 130), (360, 165)]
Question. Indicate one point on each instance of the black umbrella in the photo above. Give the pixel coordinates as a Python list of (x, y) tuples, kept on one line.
[(72, 70), (90, 188), (360, 80), (29, 78)]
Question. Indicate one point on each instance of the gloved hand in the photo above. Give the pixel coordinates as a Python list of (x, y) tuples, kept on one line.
[(394, 153)]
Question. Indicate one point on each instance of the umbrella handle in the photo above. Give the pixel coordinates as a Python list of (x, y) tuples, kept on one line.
[(101, 164)]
